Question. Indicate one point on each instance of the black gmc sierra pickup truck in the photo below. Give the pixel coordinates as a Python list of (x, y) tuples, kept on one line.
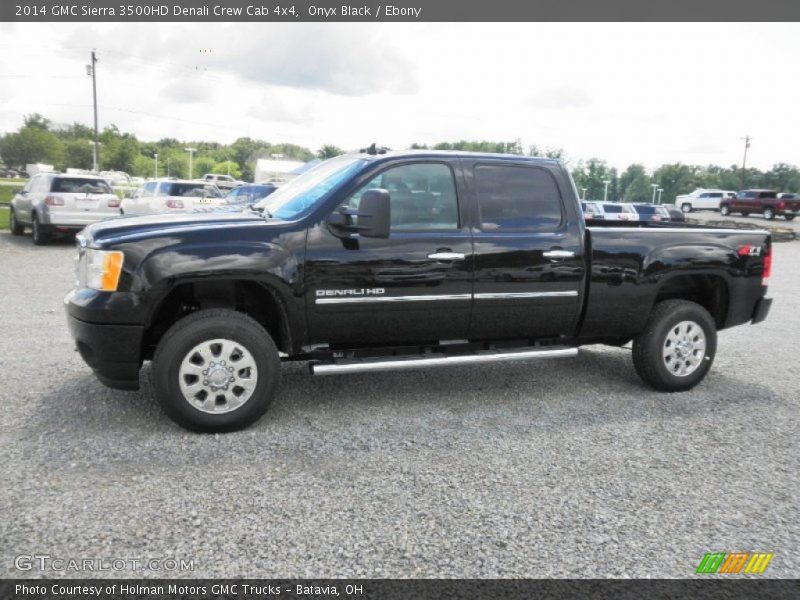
[(386, 260)]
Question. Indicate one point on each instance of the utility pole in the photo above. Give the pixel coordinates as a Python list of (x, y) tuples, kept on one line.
[(155, 170), (191, 151), (583, 195), (747, 139), (605, 193), (654, 186), (92, 70), (659, 194)]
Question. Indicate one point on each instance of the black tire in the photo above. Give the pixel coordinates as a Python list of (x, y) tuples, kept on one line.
[(648, 347), (769, 213), (15, 226), (205, 325), (40, 238), (724, 210), (789, 217), (686, 207), (745, 214)]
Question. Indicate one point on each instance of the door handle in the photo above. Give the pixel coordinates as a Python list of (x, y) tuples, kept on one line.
[(446, 256), (558, 254)]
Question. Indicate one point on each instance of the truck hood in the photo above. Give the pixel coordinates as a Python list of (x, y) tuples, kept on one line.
[(125, 228)]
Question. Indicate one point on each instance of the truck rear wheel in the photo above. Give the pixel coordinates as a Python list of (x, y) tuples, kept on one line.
[(216, 370), (677, 347), (724, 210), (686, 207)]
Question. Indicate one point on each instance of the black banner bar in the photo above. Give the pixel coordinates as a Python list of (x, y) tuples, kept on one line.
[(388, 589), (397, 10)]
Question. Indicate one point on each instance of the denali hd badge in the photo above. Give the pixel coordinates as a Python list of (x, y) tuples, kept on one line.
[(356, 292)]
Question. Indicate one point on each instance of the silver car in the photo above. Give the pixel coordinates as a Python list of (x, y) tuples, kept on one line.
[(53, 203), (172, 196)]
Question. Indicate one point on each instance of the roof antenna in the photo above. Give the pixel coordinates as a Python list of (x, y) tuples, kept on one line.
[(374, 149)]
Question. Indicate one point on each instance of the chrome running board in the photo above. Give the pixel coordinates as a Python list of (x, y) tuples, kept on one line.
[(418, 362)]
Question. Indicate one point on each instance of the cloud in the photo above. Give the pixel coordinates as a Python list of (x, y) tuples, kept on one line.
[(344, 60), (275, 111), (188, 92), (560, 97)]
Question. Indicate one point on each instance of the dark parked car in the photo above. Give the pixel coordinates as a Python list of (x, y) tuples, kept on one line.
[(652, 212), (676, 215), (249, 194), (764, 202), (379, 261)]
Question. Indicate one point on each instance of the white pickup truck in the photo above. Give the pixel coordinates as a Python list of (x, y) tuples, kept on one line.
[(702, 199)]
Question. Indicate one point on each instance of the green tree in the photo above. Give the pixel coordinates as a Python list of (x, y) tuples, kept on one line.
[(329, 151), (223, 167), (677, 179), (634, 184), (592, 176), (78, 154), (31, 145)]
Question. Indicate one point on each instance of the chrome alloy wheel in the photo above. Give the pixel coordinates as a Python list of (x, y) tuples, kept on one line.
[(684, 348), (218, 376)]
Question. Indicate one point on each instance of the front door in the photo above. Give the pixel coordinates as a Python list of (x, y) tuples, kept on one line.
[(529, 263), (414, 286)]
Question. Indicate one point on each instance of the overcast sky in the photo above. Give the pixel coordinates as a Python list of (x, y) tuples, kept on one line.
[(650, 93)]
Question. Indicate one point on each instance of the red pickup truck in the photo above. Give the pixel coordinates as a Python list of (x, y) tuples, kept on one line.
[(765, 202)]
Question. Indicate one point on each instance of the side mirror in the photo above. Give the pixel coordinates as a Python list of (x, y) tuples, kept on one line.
[(373, 215), (23, 192)]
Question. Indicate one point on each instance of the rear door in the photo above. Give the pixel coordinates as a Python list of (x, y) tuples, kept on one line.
[(83, 195), (529, 256), (413, 287)]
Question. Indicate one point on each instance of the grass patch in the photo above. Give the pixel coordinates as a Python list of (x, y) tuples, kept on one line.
[(4, 212), (7, 193)]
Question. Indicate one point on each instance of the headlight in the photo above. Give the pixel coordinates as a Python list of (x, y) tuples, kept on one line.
[(98, 269)]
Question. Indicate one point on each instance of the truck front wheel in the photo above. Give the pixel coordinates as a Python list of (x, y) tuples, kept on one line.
[(216, 370), (677, 347)]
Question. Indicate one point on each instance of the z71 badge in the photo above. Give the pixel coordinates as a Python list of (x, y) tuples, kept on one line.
[(750, 251)]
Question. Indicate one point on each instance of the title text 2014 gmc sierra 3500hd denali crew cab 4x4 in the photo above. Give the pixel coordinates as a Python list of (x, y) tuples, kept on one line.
[(384, 260)]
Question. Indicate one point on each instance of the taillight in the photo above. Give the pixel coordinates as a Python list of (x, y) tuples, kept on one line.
[(54, 201), (174, 203), (767, 266), (781, 205), (113, 203)]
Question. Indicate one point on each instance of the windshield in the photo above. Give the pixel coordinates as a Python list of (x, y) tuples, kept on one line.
[(304, 191), (197, 190), (80, 185), (250, 194)]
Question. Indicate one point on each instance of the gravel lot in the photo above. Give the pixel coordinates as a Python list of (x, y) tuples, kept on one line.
[(552, 469), (705, 216)]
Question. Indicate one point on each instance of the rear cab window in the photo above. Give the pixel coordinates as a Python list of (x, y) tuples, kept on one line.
[(515, 198)]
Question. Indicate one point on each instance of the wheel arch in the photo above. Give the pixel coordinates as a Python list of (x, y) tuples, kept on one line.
[(256, 299), (709, 290)]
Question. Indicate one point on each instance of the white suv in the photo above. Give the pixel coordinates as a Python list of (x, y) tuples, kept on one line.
[(54, 204), (224, 182), (701, 199), (172, 196)]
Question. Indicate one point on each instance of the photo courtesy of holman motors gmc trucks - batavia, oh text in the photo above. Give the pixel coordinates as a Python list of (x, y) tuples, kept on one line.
[(400, 260)]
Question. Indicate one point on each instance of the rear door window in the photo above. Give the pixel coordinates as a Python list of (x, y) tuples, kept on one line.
[(517, 198)]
